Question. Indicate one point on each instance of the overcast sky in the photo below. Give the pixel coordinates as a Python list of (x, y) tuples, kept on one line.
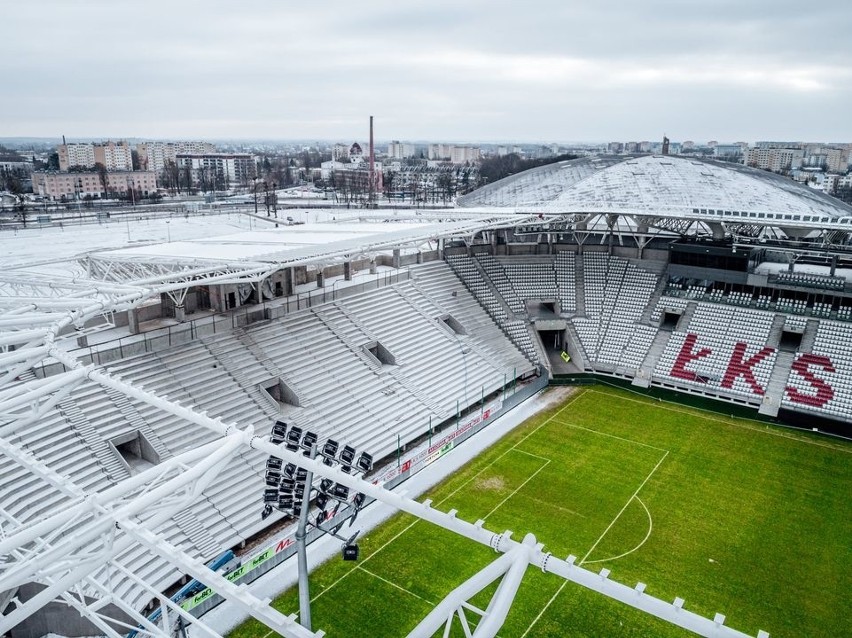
[(466, 70)]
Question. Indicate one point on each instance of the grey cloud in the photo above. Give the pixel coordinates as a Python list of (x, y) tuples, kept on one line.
[(559, 70)]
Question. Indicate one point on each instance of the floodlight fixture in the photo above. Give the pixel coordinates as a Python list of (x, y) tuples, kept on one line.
[(270, 495), (280, 428), (350, 552), (279, 432), (326, 485), (288, 485), (289, 471), (285, 502), (359, 499), (346, 458), (273, 479), (300, 491), (273, 463), (294, 436), (321, 501), (308, 441), (267, 510), (329, 451), (341, 492), (365, 462), (301, 475)]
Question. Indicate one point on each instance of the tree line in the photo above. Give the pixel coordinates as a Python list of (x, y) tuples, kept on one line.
[(495, 168)]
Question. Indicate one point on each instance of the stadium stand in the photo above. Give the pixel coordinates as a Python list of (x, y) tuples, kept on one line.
[(334, 383), (616, 294), (722, 348), (565, 281), (820, 380)]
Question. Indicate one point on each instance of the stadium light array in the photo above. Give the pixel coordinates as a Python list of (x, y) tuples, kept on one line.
[(289, 489)]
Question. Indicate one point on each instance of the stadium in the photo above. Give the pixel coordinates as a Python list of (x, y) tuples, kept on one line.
[(161, 373)]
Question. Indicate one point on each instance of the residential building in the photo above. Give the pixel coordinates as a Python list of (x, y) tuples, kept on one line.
[(340, 152), (218, 170), (154, 156), (115, 156), (773, 159), (462, 154), (75, 155), (440, 151), (400, 150), (71, 186)]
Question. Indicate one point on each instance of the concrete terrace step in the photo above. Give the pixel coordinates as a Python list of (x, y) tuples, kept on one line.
[(92, 440), (197, 533), (138, 422), (777, 384)]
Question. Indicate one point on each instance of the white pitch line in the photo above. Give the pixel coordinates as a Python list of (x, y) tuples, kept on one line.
[(617, 516), (517, 489), (743, 426), (644, 540), (544, 609), (612, 436), (392, 584), (562, 586), (365, 560), (514, 447), (535, 456)]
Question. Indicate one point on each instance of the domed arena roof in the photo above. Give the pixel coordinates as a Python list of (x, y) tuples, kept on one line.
[(661, 186)]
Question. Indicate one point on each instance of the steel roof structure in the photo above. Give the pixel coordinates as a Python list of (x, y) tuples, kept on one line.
[(72, 553), (668, 192)]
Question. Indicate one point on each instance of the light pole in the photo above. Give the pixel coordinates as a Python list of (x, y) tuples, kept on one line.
[(168, 231), (255, 196), (289, 489)]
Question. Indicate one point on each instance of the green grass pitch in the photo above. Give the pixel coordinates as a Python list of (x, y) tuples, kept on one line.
[(734, 516)]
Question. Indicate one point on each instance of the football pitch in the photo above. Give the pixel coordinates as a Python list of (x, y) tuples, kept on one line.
[(734, 516)]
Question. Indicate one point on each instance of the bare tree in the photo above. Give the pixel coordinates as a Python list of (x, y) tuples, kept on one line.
[(102, 175)]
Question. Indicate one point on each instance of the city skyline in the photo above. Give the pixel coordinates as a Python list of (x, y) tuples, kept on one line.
[(475, 72)]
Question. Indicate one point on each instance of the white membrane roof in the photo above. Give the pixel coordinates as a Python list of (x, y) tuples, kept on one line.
[(662, 186)]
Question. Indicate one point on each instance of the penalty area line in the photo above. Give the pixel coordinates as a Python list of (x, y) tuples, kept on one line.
[(617, 516)]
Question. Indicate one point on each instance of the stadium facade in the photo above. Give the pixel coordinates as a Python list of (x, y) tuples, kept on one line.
[(668, 274)]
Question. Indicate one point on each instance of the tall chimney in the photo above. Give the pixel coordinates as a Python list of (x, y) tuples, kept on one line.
[(372, 192)]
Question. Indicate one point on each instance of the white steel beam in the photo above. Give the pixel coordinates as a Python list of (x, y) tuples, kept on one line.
[(260, 609)]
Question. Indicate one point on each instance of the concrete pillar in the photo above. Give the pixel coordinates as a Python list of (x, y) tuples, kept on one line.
[(419, 257), (290, 282), (320, 279), (373, 266), (347, 270), (396, 259), (180, 313), (133, 321), (833, 265), (440, 248)]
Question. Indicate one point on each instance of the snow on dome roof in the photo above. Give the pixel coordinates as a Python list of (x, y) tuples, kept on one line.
[(656, 185)]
